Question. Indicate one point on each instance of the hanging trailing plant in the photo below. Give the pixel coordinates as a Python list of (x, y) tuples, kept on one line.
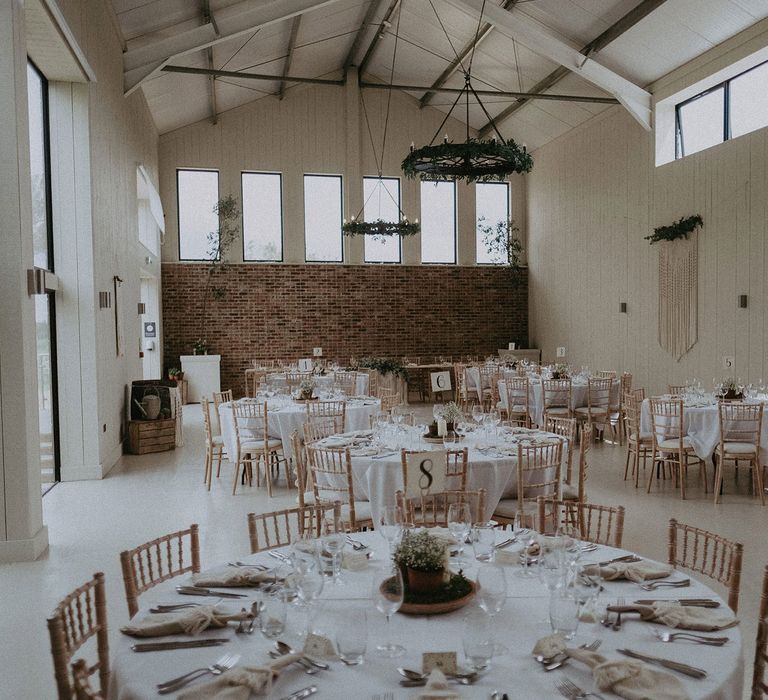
[(355, 227), (503, 245), (679, 229)]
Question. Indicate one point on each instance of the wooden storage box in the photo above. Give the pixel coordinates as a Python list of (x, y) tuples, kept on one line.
[(145, 436)]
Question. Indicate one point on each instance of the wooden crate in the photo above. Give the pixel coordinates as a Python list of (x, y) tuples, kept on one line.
[(145, 436)]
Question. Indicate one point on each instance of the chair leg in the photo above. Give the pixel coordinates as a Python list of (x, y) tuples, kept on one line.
[(208, 467), (626, 464), (238, 462), (268, 474), (758, 478), (649, 480), (683, 471), (718, 479), (219, 458)]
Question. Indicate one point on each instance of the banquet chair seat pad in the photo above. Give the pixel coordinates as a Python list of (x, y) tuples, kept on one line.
[(362, 511), (674, 444), (587, 411), (217, 441), (645, 438), (508, 508), (557, 410), (569, 493), (738, 448), (254, 445)]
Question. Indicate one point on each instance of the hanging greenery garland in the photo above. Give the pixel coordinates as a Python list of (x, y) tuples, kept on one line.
[(679, 229), (355, 227)]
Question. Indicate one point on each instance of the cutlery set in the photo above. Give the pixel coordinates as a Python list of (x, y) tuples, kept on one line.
[(207, 592)]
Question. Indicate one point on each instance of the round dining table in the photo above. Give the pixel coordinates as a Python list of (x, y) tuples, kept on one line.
[(522, 621), (377, 472), (286, 415)]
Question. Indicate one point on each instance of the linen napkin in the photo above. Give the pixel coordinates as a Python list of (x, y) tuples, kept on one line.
[(636, 571), (354, 561), (232, 577), (241, 682), (437, 688), (686, 617), (628, 679), (190, 622)]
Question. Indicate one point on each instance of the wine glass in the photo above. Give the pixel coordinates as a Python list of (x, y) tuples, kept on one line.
[(450, 440), (390, 524), (388, 592), (437, 411), (526, 537), (305, 552), (459, 523), (477, 413), (334, 539), (477, 639), (492, 595)]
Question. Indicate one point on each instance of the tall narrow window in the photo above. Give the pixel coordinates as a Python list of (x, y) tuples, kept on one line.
[(438, 222), (322, 218), (382, 201), (491, 209), (701, 122), (198, 194), (749, 101), (262, 217)]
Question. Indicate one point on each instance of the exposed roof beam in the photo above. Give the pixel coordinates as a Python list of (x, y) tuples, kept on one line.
[(249, 76), (289, 55), (144, 62), (370, 13), (494, 93), (380, 32), (208, 18), (456, 63), (545, 43), (613, 32)]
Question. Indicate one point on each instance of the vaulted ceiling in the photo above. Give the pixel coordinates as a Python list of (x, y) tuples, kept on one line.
[(522, 47)]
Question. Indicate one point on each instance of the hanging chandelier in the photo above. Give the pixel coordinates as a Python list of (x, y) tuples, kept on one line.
[(474, 160)]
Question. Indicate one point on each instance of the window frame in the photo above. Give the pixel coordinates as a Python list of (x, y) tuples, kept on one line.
[(340, 178), (508, 185), (726, 87), (282, 216), (455, 223), (399, 260), (178, 208)]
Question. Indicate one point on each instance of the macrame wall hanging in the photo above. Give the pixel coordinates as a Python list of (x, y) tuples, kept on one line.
[(678, 294)]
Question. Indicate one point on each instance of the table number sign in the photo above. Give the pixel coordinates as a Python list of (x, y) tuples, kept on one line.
[(441, 381), (444, 660), (305, 365)]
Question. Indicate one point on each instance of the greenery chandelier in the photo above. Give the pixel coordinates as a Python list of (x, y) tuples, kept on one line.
[(356, 227)]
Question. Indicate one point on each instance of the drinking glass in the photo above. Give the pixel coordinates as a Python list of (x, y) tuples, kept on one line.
[(272, 616), (390, 524), (483, 539), (437, 411), (552, 569), (564, 612), (526, 537), (450, 440), (492, 595), (477, 413), (387, 594), (477, 639), (305, 552), (334, 539), (459, 523), (352, 637), (309, 585)]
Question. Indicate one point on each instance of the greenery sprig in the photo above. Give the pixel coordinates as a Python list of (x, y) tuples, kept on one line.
[(679, 229), (381, 228), (423, 552), (473, 160), (384, 365)]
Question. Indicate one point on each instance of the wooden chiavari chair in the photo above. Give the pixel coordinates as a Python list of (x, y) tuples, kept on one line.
[(214, 445), (639, 444), (319, 427), (220, 397), (578, 491), (616, 417), (76, 619), (331, 470), (159, 560), (253, 377), (558, 397), (328, 409), (306, 495), (759, 683), (518, 405), (538, 474), (460, 384), (431, 510), (670, 445), (346, 381), (293, 379), (283, 527), (253, 444), (490, 375), (707, 553), (676, 389), (595, 523), (598, 402), (389, 399), (741, 427), (566, 428)]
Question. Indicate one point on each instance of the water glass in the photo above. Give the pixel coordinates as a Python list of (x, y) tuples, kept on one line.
[(334, 540), (459, 523), (483, 539), (564, 613), (492, 589), (272, 617), (387, 593), (352, 637), (477, 639), (390, 524)]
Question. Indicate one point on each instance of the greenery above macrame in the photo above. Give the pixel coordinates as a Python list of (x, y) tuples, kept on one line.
[(403, 228), (473, 160), (679, 229)]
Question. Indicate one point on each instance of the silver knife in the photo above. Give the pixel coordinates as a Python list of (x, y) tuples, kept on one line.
[(303, 693), (196, 590), (666, 663), (184, 644)]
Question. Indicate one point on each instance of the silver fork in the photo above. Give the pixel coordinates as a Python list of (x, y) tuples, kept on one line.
[(223, 664), (617, 624), (550, 665), (683, 583), (690, 637), (357, 545), (572, 691), (246, 565)]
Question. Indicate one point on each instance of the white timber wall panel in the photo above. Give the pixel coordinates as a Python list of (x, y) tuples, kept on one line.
[(593, 195)]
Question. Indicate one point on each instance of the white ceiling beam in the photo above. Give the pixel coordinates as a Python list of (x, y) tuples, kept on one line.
[(144, 62), (522, 28)]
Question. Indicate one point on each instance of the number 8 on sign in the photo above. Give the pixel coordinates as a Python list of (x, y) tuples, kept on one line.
[(425, 480)]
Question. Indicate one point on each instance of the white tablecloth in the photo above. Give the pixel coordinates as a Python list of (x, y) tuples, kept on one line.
[(702, 426), (522, 621), (283, 421)]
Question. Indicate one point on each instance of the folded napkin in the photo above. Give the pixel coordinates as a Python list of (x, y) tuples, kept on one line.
[(628, 679), (687, 617), (190, 622), (232, 577), (336, 442), (437, 688), (241, 682), (364, 451), (636, 571), (354, 561)]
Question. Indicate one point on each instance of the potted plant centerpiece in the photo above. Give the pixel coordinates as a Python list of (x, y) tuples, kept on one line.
[(423, 560), (560, 371), (306, 389), (200, 347), (732, 390)]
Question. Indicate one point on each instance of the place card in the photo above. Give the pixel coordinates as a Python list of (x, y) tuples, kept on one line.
[(443, 660), (319, 646)]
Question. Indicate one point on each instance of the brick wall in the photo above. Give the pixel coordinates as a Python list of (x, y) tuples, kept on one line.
[(283, 311)]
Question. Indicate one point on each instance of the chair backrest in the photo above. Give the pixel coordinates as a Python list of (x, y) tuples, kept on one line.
[(709, 554), (740, 422), (626, 383), (431, 510), (82, 682), (205, 406), (667, 419), (77, 618), (759, 683), (587, 437), (159, 560), (557, 393), (220, 397), (373, 381), (293, 379), (300, 465), (347, 382), (538, 471), (596, 523), (517, 396), (606, 374), (250, 420), (389, 399), (337, 409), (283, 527), (424, 472), (599, 393), (632, 414), (331, 470), (254, 377), (489, 381), (566, 428), (460, 380), (319, 427), (676, 389)]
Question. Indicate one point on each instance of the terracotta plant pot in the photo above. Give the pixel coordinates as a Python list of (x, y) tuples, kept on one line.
[(424, 581)]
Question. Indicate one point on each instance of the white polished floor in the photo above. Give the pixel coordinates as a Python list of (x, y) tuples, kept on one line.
[(90, 522)]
